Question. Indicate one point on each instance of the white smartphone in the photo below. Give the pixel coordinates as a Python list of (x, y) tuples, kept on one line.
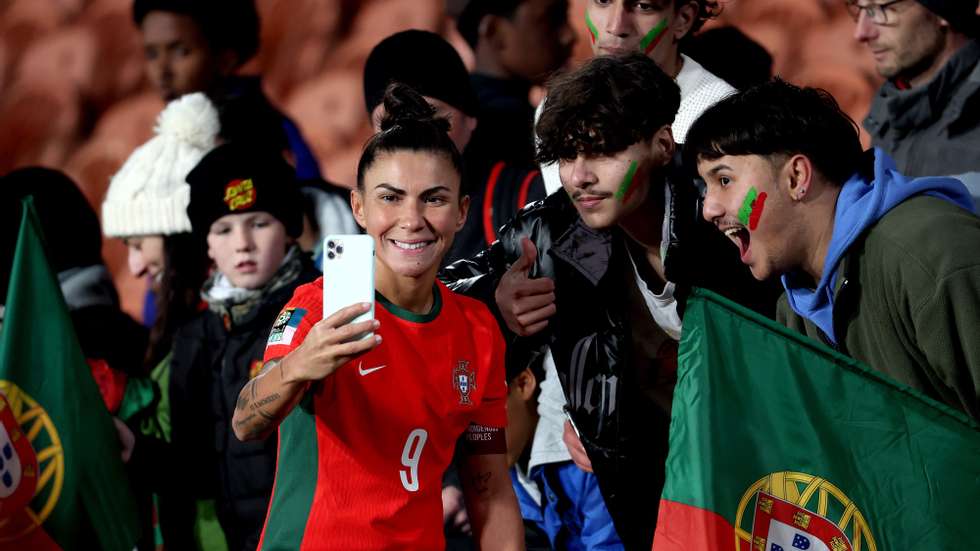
[(348, 275)]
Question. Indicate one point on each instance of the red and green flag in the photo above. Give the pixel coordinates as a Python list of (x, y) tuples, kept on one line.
[(778, 443), (81, 495)]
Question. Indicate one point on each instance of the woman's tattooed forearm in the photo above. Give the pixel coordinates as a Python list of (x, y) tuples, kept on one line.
[(257, 421), (247, 395), (480, 482), (264, 401), (244, 396)]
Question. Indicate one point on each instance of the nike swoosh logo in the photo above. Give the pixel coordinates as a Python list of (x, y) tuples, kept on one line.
[(363, 372)]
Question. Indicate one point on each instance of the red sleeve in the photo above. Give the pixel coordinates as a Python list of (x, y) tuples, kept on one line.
[(492, 411), (295, 320)]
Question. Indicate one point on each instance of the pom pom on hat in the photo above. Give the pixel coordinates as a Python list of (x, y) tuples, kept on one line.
[(191, 119), (149, 194)]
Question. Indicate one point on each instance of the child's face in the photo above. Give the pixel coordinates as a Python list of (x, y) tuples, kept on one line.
[(178, 58), (248, 248), (410, 205)]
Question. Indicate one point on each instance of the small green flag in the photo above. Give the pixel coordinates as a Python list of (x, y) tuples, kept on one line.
[(778, 443), (82, 498)]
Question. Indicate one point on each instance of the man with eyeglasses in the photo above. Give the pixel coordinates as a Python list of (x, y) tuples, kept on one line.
[(927, 115)]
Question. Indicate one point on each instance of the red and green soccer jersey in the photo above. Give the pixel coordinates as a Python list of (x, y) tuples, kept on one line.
[(361, 458)]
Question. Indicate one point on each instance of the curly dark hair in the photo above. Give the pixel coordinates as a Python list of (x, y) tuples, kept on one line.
[(707, 9), (779, 119), (605, 106)]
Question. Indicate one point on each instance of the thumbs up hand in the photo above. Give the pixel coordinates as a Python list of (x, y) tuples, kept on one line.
[(526, 304)]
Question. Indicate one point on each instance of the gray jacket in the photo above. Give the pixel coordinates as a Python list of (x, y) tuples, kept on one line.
[(933, 129)]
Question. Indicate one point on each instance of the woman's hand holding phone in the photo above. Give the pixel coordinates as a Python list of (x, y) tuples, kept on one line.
[(330, 344)]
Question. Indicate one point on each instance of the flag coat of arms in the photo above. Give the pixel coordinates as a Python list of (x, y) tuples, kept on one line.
[(778, 443), (18, 463), (82, 498)]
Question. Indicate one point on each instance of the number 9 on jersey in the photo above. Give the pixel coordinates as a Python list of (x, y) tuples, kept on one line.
[(410, 459)]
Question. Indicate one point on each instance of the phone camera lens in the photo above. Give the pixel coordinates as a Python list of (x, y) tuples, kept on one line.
[(331, 244), (340, 249), (330, 255)]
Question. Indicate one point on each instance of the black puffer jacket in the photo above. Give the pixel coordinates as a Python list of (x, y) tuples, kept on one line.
[(622, 428), (213, 359)]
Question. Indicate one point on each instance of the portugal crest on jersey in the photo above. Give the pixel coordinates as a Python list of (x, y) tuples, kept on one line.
[(18, 463), (464, 381)]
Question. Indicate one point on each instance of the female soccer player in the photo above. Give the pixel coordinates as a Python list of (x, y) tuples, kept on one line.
[(367, 427)]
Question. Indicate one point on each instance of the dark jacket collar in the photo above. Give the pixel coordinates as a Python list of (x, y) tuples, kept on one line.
[(585, 249), (947, 93)]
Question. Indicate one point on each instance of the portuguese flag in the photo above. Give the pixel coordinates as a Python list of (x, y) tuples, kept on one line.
[(778, 443), (81, 497)]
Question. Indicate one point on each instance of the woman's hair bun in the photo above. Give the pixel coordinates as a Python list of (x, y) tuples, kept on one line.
[(404, 106)]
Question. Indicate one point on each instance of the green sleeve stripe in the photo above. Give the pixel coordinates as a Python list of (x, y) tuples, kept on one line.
[(296, 479)]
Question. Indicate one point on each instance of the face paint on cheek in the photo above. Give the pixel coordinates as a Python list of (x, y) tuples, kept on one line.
[(593, 31), (752, 207), (757, 208), (626, 188), (653, 37)]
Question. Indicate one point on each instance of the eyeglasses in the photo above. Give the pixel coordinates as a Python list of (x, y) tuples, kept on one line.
[(879, 14)]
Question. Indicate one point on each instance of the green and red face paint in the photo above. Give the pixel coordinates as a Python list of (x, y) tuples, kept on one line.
[(626, 188), (647, 44), (593, 31), (752, 207), (653, 37)]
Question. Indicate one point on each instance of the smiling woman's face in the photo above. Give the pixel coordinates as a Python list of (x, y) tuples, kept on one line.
[(410, 204)]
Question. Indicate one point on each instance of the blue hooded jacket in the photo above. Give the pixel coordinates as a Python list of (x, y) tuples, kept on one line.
[(859, 206), (572, 512)]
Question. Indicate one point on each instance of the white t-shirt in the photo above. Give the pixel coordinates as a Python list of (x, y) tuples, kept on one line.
[(663, 306)]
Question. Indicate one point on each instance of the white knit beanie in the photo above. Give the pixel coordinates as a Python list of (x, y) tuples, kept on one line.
[(149, 194)]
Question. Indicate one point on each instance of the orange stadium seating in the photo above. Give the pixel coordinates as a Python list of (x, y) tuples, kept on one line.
[(73, 95)]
